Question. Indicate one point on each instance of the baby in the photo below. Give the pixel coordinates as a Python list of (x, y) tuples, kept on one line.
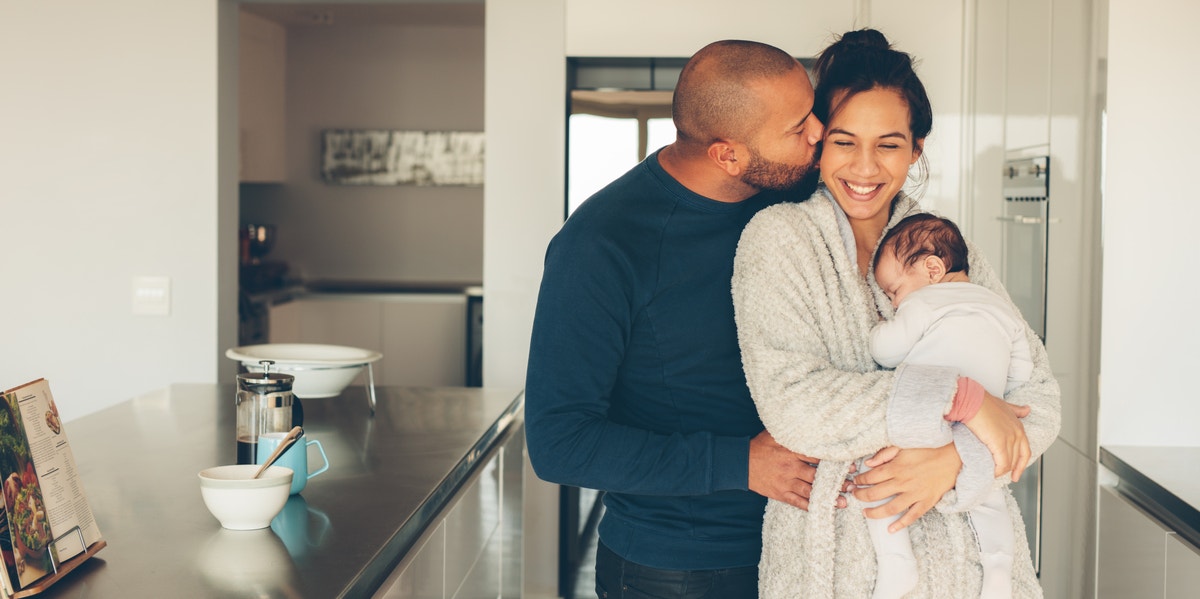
[(944, 319)]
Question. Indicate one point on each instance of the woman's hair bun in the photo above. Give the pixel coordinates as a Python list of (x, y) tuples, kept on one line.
[(868, 38)]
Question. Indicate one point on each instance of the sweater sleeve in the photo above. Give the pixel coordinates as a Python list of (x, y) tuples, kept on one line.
[(581, 328)]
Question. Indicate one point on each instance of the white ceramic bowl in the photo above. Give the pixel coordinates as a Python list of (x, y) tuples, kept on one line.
[(243, 503), (320, 370)]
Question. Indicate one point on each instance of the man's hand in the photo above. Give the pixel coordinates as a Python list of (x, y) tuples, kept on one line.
[(917, 477), (997, 426), (781, 474)]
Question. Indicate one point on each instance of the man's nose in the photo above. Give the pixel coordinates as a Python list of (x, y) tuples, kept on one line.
[(816, 130)]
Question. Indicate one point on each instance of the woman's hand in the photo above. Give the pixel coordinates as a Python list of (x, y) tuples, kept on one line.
[(918, 478), (998, 426)]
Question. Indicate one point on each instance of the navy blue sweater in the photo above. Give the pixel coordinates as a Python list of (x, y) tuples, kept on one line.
[(635, 383)]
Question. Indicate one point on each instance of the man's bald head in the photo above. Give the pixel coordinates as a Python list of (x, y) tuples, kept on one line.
[(714, 98)]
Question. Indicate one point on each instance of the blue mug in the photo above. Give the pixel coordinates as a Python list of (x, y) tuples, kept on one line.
[(295, 457)]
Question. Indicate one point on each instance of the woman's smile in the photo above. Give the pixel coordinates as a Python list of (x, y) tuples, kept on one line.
[(863, 191)]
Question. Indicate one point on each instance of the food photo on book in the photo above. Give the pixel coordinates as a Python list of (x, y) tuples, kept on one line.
[(25, 509)]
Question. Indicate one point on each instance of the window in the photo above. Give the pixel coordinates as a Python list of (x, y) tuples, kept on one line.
[(620, 112)]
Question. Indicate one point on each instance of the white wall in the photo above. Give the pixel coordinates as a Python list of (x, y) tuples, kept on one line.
[(108, 170), (355, 76), (524, 192), (1150, 344), (680, 27)]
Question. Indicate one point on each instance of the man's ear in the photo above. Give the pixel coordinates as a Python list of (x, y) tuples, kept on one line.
[(935, 268), (727, 154)]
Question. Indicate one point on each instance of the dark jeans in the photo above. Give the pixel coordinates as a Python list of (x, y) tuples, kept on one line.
[(617, 578)]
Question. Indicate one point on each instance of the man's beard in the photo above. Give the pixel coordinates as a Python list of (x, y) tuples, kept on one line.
[(764, 174)]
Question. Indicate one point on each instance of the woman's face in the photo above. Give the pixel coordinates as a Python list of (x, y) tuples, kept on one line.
[(867, 151)]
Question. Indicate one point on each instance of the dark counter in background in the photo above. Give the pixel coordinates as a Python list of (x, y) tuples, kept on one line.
[(352, 525), (1165, 481)]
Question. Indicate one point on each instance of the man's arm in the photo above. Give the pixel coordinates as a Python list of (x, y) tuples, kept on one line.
[(582, 325)]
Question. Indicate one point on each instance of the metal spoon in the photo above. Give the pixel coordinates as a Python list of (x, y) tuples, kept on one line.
[(283, 445)]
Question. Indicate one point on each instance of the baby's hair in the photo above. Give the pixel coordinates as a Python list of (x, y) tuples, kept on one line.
[(924, 234)]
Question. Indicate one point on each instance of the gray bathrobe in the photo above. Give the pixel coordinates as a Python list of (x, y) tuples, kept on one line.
[(804, 315)]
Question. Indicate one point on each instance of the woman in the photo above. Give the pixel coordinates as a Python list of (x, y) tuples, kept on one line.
[(805, 303)]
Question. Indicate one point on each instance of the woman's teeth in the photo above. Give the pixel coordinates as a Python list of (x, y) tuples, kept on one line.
[(861, 189)]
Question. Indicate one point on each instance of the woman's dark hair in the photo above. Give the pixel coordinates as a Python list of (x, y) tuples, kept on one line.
[(863, 60), (925, 234)]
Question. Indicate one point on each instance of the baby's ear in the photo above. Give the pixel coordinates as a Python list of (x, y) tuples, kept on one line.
[(935, 268)]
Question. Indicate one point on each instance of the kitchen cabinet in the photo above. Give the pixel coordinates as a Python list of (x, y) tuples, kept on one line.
[(1068, 516), (473, 551), (426, 337), (424, 577), (1133, 550), (1149, 522), (262, 65), (1183, 569), (422, 336)]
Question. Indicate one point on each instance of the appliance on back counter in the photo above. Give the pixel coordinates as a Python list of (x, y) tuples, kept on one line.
[(255, 272)]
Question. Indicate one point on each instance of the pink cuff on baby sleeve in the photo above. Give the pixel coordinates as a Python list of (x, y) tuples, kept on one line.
[(967, 400)]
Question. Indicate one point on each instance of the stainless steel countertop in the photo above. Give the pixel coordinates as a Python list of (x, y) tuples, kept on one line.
[(1163, 480), (340, 537), (300, 289)]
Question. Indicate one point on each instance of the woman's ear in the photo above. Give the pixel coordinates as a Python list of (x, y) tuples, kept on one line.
[(935, 268), (918, 149)]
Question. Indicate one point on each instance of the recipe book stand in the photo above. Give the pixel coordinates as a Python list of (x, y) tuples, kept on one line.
[(60, 570)]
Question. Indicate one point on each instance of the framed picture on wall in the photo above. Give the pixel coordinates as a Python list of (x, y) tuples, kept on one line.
[(384, 157)]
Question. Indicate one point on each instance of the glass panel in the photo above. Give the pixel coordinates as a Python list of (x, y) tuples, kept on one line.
[(659, 132), (600, 150)]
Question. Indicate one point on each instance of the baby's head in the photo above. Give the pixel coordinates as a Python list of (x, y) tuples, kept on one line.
[(920, 250)]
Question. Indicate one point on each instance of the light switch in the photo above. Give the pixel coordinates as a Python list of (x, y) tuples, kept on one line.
[(152, 296)]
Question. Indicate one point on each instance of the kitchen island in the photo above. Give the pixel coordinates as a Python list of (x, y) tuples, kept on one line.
[(428, 471)]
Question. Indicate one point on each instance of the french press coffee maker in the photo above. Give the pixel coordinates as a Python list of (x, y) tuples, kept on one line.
[(265, 404)]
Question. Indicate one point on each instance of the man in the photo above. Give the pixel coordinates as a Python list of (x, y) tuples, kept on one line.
[(635, 385)]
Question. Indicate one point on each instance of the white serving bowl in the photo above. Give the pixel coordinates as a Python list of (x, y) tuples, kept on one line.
[(240, 502), (320, 370)]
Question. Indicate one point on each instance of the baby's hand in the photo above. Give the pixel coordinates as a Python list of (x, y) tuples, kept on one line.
[(998, 427)]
